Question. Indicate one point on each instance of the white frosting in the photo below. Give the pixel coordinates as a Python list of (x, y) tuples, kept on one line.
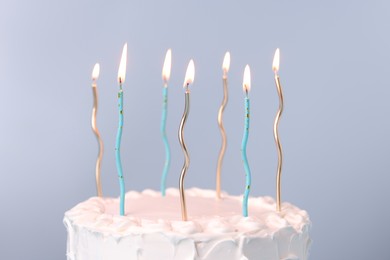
[(152, 228)]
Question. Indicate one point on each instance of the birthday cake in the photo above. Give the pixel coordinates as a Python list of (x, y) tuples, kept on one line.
[(211, 226), (152, 228)]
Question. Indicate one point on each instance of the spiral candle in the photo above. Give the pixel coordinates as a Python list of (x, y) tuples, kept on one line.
[(188, 80), (95, 75), (248, 180), (225, 68), (165, 75), (275, 68), (121, 80)]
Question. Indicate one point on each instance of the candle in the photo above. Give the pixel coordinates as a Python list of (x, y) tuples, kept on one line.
[(225, 69), (189, 78), (275, 68), (246, 87), (121, 80), (95, 75), (165, 76)]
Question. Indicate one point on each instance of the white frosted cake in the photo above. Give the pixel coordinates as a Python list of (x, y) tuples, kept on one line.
[(152, 228)]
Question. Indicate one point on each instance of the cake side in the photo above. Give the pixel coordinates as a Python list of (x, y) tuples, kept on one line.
[(152, 228)]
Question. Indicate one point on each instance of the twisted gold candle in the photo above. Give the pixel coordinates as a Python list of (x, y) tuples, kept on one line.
[(95, 75), (189, 78), (275, 68), (225, 68)]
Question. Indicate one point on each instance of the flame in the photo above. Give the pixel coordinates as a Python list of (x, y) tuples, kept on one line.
[(246, 83), (226, 62), (122, 65), (166, 72), (95, 72), (275, 64), (190, 74)]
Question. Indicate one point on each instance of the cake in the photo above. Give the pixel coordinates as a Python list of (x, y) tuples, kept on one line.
[(152, 228)]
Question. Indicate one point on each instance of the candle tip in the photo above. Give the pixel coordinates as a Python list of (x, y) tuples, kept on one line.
[(95, 72), (122, 65), (246, 84), (226, 63), (190, 74), (275, 64), (166, 72)]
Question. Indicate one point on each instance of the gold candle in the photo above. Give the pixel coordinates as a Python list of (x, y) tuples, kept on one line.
[(95, 75), (275, 68), (189, 78), (225, 69)]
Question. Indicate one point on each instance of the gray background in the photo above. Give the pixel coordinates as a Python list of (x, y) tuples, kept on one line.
[(334, 70)]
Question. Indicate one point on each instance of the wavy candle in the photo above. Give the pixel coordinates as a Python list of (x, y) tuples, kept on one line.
[(225, 69), (189, 78), (246, 87), (275, 68), (165, 76), (121, 80), (95, 75)]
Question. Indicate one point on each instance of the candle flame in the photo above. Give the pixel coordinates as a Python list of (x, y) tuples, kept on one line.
[(275, 64), (122, 65), (226, 63), (190, 74), (246, 83), (166, 72), (95, 72)]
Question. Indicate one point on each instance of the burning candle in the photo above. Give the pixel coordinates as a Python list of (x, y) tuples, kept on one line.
[(225, 69), (95, 75), (189, 78), (165, 76), (275, 68), (246, 87), (121, 80)]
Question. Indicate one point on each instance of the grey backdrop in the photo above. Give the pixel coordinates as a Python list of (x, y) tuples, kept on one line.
[(334, 70)]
